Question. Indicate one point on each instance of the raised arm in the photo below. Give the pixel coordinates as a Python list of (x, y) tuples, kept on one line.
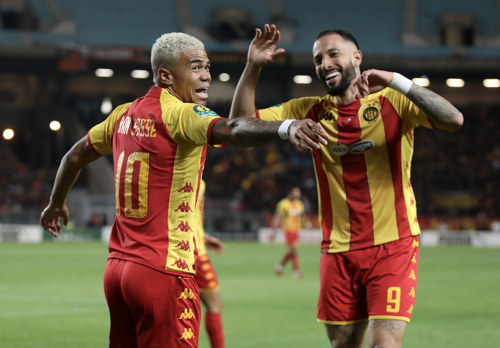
[(305, 134), (71, 165), (443, 114), (262, 51)]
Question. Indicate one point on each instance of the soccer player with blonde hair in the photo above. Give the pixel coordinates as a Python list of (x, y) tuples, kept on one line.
[(159, 144)]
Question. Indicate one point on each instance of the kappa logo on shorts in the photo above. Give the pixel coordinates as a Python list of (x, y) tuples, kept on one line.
[(187, 314), (187, 334), (203, 111), (186, 294)]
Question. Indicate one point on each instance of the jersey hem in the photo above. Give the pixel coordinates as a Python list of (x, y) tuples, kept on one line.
[(164, 270)]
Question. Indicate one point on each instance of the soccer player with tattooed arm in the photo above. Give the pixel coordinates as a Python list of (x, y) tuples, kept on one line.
[(159, 144), (367, 209)]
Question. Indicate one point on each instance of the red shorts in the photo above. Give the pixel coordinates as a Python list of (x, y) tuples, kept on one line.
[(374, 283), (149, 308), (205, 275), (292, 238)]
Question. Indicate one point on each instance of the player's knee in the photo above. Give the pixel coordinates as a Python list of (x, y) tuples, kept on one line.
[(346, 336)]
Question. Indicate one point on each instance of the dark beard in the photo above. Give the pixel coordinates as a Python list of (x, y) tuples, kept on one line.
[(344, 83)]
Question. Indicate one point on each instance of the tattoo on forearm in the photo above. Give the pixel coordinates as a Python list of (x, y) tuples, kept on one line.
[(250, 131)]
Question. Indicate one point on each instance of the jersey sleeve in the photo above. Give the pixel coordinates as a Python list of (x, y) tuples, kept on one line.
[(293, 109), (100, 137), (281, 208), (191, 123)]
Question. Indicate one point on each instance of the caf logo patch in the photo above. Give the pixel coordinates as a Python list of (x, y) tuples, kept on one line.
[(370, 114), (203, 111)]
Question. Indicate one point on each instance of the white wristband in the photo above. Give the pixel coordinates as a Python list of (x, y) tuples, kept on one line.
[(283, 129), (401, 84)]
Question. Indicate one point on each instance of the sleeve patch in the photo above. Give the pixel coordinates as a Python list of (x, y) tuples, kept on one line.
[(203, 111)]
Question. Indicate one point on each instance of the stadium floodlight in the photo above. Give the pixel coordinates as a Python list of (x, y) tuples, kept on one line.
[(8, 133), (139, 74), (454, 82), (101, 72), (302, 79), (55, 125), (422, 81), (106, 106), (224, 77), (491, 83)]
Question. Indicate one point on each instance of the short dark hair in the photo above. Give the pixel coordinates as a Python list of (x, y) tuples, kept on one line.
[(345, 35)]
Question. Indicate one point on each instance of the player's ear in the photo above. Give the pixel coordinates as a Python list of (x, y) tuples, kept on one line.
[(357, 58), (165, 77)]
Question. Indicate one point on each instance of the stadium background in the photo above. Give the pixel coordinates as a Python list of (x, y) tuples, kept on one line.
[(51, 52)]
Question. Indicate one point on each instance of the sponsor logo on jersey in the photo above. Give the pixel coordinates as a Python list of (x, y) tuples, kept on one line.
[(203, 111), (361, 147), (339, 149)]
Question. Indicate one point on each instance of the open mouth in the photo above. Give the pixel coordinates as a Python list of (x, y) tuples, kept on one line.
[(202, 93), (329, 78)]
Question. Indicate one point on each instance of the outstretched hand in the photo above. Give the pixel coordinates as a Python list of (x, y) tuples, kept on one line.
[(51, 219), (370, 81), (263, 46), (214, 244), (306, 135)]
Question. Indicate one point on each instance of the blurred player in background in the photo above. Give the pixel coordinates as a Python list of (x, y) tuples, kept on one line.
[(159, 144), (369, 252), (205, 275), (288, 216)]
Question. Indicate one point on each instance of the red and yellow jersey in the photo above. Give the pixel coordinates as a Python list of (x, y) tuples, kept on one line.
[(159, 149), (290, 211), (363, 174), (200, 228)]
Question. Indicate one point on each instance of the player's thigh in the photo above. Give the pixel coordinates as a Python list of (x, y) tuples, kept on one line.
[(342, 296), (391, 290), (386, 333), (165, 307), (122, 326), (346, 336)]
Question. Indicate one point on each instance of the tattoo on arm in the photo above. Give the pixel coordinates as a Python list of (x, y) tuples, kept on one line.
[(251, 131), (436, 107)]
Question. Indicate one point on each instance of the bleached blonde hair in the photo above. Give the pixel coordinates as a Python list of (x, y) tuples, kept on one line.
[(166, 50)]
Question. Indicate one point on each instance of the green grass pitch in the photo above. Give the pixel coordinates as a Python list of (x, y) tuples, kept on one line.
[(51, 296)]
